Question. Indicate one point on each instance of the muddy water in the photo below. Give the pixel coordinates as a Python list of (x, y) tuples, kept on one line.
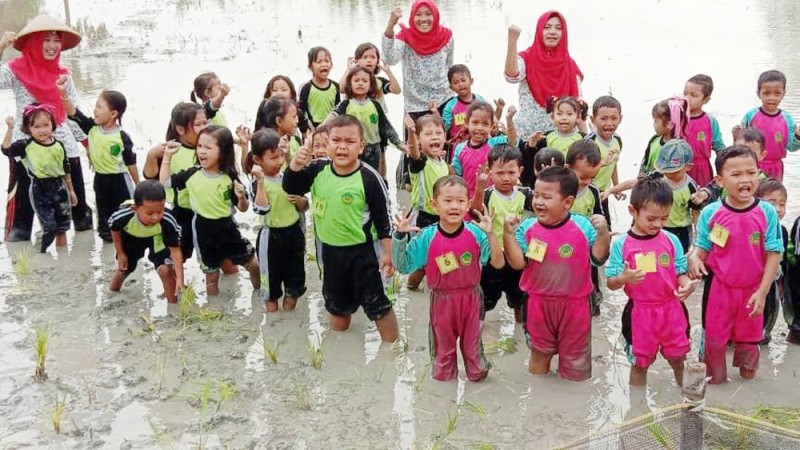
[(134, 377)]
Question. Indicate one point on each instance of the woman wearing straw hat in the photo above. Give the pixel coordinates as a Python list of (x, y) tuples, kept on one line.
[(32, 76)]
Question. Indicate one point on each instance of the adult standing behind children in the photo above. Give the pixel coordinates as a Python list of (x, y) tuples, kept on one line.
[(32, 76), (425, 49), (547, 71)]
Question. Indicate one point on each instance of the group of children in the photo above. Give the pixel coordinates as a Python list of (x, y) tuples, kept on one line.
[(485, 219)]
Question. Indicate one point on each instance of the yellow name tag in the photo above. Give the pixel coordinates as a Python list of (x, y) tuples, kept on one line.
[(447, 263), (536, 250), (719, 235), (319, 207), (646, 262)]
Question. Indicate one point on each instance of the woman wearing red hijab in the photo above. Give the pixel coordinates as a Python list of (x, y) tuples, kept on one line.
[(542, 71), (32, 76), (426, 50)]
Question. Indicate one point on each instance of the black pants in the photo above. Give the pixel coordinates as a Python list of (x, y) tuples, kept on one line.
[(684, 235), (50, 200), (527, 177), (110, 191), (402, 173), (495, 282), (81, 213), (281, 258), (184, 218)]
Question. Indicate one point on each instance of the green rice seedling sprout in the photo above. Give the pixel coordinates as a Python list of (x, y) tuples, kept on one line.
[(225, 391), (483, 446), (316, 354), (420, 378), (781, 416), (301, 395), (451, 424), (311, 257), (660, 435), (23, 262), (271, 348), (506, 346), (58, 413), (161, 370), (477, 409), (187, 300), (41, 342), (149, 326)]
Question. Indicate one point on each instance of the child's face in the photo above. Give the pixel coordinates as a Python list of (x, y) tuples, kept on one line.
[(771, 93), (694, 95), (431, 140), (360, 83), (461, 84), (287, 125), (755, 146), (42, 127), (150, 212), (423, 19), (319, 145), (678, 176), (585, 172), (650, 218), (321, 66), (189, 134), (565, 117), (213, 89), (479, 126), (271, 161), (281, 89), (739, 176), (505, 175), (778, 200), (451, 203), (103, 113), (550, 206), (551, 35), (208, 152), (661, 126), (368, 60), (606, 121), (344, 146)]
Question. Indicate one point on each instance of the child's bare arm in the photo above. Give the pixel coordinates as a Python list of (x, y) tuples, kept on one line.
[(513, 252), (513, 140), (122, 258), (394, 86), (134, 171), (176, 255), (758, 299), (9, 131), (602, 243), (73, 198)]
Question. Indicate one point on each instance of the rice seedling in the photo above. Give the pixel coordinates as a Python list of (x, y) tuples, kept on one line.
[(420, 378), (160, 435), (504, 346), (23, 262), (483, 446), (315, 354), (781, 416), (186, 304), (311, 257), (58, 413), (477, 409), (149, 326), (301, 395), (225, 391), (450, 424), (41, 342), (161, 370), (271, 348)]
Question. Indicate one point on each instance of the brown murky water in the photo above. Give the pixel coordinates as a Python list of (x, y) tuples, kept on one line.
[(134, 377)]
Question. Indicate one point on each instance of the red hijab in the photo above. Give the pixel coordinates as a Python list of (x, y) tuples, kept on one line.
[(550, 71), (39, 75), (425, 43)]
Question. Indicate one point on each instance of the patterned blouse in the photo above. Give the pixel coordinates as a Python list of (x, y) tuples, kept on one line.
[(424, 77), (532, 117), (66, 132)]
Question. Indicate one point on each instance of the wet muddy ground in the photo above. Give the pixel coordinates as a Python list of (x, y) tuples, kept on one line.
[(132, 374)]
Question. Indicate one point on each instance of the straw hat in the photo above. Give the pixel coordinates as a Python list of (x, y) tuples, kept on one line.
[(69, 37)]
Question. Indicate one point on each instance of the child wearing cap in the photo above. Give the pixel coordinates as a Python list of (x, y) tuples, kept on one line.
[(674, 161)]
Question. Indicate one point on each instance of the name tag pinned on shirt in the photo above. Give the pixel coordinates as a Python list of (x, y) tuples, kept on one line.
[(319, 207), (719, 235), (646, 262), (447, 263), (536, 250)]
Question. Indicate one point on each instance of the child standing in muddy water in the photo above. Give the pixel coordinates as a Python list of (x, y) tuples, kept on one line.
[(147, 225), (649, 263), (737, 229), (213, 190), (320, 94), (470, 157), (452, 254), (350, 210), (702, 131), (45, 159), (555, 250), (211, 92)]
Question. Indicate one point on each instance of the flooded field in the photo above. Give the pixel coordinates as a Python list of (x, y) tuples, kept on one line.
[(125, 371)]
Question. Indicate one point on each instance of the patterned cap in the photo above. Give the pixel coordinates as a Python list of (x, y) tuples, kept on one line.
[(674, 156)]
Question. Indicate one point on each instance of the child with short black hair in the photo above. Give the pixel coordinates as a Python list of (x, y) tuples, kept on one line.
[(649, 262), (281, 243), (674, 162), (452, 254), (110, 151), (702, 131), (738, 249), (555, 250), (350, 208), (778, 126), (606, 117), (320, 94), (146, 224), (503, 199), (46, 162), (470, 156), (774, 192), (454, 110)]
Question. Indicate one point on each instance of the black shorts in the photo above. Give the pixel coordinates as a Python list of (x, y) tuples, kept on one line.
[(495, 282), (372, 155), (184, 218), (282, 259), (684, 235), (135, 247), (352, 278), (217, 240), (424, 219)]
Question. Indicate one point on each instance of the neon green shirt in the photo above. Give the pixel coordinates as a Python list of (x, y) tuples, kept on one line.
[(280, 213), (603, 178), (41, 160), (423, 173), (210, 195), (185, 159), (500, 206)]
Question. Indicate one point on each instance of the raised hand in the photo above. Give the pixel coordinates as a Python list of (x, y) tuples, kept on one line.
[(402, 224), (484, 221), (537, 136), (10, 122), (7, 40), (239, 189), (599, 223), (225, 90), (512, 111), (699, 197), (171, 147), (244, 134), (395, 16), (257, 172), (411, 126), (62, 83), (301, 158), (483, 180), (510, 224), (513, 33)]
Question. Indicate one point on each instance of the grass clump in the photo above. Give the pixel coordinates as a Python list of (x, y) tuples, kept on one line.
[(189, 313), (271, 347), (58, 413), (315, 354), (23, 262), (505, 346), (41, 344)]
